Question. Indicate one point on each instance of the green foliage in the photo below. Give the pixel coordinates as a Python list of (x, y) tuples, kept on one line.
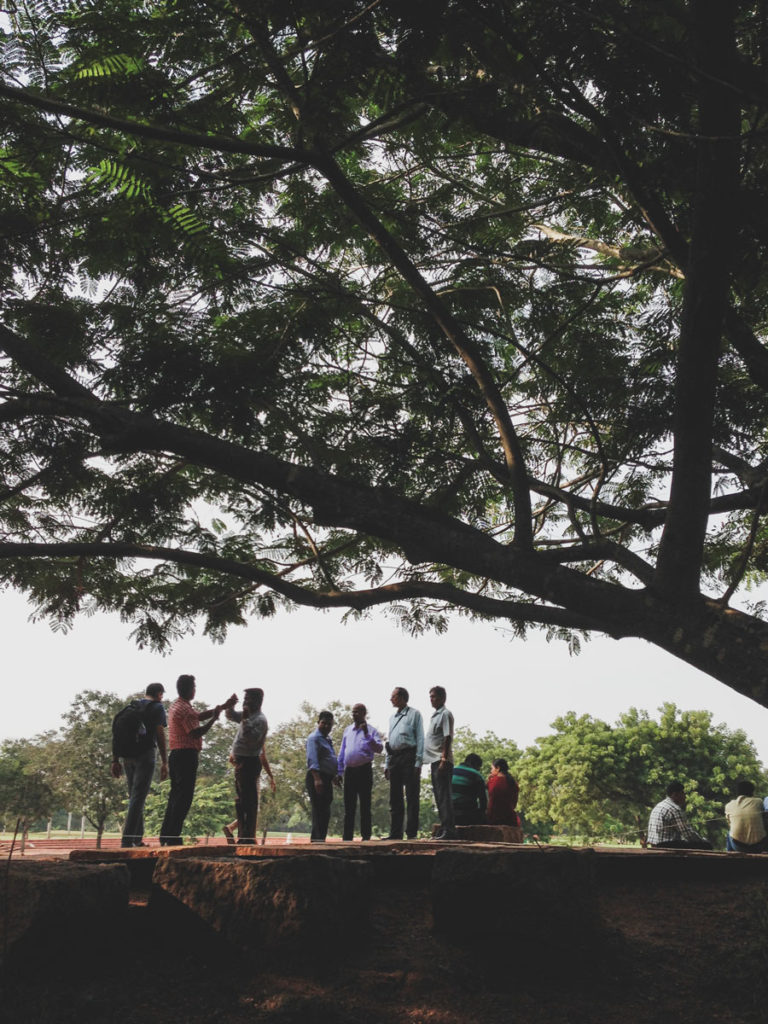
[(81, 757), (363, 304), (212, 808), (586, 781), (289, 808), (488, 747), (117, 64), (25, 792), (600, 781)]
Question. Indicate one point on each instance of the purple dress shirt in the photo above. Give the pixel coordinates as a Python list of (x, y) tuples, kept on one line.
[(357, 748)]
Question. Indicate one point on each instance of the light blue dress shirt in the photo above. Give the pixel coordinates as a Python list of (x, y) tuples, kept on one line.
[(406, 729)]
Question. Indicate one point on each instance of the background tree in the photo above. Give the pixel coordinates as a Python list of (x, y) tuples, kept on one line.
[(217, 743), (81, 757), (599, 781), (445, 306), (25, 792), (289, 810), (213, 806), (487, 746)]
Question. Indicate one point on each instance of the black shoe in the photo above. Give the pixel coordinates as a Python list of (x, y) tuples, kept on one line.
[(445, 836)]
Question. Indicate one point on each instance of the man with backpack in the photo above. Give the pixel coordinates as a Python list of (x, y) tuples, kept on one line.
[(137, 731)]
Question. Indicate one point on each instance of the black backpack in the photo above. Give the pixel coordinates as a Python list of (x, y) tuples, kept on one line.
[(129, 732)]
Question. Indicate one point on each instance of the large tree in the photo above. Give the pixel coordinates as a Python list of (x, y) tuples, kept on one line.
[(457, 304), (592, 779), (79, 760), (26, 790)]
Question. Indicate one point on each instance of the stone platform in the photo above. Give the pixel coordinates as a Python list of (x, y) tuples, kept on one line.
[(296, 894), (486, 833)]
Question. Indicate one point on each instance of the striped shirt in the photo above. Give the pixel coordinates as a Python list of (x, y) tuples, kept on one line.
[(468, 790), (182, 719)]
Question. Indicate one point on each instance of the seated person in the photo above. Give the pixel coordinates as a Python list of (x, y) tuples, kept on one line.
[(746, 828), (503, 792), (668, 826), (468, 792)]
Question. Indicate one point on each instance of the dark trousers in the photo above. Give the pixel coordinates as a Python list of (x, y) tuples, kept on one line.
[(683, 844), (182, 768), (247, 772), (443, 789), (735, 846), (403, 777), (321, 800), (358, 783), (469, 817), (139, 772)]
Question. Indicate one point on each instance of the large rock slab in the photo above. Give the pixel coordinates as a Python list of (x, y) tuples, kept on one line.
[(486, 833), (59, 909), (527, 907), (295, 903)]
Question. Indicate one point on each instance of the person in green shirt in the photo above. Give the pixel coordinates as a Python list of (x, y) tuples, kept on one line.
[(469, 794)]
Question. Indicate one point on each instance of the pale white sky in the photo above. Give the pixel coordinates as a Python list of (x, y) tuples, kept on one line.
[(513, 687)]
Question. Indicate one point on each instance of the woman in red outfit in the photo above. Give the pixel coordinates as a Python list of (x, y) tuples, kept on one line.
[(502, 795)]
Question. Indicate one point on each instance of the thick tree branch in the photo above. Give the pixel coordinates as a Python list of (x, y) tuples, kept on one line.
[(515, 611), (454, 334), (633, 259), (753, 353), (604, 549), (31, 359), (196, 140), (705, 303)]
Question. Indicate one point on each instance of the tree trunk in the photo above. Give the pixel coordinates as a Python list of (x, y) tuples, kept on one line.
[(725, 643)]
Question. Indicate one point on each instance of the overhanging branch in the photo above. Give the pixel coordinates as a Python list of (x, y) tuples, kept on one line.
[(196, 140), (360, 600)]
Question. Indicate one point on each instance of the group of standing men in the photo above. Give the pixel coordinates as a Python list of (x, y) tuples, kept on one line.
[(186, 728), (408, 746)]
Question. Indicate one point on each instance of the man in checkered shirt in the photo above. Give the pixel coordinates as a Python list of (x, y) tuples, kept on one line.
[(668, 826)]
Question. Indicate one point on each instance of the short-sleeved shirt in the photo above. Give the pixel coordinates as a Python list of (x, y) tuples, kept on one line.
[(154, 715), (440, 726), (745, 819), (468, 790), (182, 719), (249, 740)]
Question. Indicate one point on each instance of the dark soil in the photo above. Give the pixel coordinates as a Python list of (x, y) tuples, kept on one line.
[(678, 951)]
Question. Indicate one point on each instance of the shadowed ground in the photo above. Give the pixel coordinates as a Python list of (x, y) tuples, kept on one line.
[(687, 940)]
